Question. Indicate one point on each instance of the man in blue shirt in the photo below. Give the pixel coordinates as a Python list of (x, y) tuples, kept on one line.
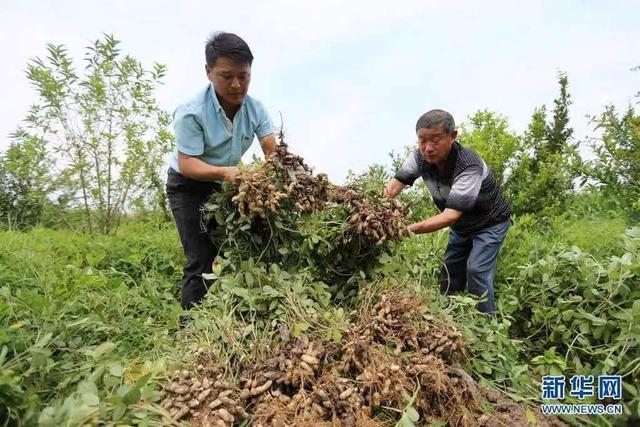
[(212, 131)]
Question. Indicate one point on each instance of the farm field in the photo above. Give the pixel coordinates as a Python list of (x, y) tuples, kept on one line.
[(91, 325), (323, 307)]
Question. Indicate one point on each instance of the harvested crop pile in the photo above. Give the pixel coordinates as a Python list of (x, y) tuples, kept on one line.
[(283, 176), (396, 354), (279, 211)]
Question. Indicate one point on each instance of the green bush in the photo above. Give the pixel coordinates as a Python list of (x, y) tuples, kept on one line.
[(86, 318)]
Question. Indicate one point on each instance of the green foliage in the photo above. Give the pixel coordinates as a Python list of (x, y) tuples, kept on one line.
[(561, 309), (24, 182), (489, 135), (316, 243), (83, 320), (87, 318), (570, 287), (616, 169), (261, 292), (584, 307), (101, 129), (90, 324), (547, 161)]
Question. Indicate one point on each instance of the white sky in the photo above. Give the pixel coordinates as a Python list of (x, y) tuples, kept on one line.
[(351, 78)]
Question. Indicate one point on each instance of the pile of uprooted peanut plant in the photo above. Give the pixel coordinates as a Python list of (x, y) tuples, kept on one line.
[(279, 211), (396, 363)]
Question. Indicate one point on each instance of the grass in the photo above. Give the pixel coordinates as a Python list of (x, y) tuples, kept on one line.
[(63, 296)]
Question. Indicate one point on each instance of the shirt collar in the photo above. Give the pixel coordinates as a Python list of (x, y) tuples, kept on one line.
[(214, 98), (453, 156)]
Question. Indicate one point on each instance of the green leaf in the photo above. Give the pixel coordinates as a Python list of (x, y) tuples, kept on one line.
[(219, 217), (94, 257), (299, 328), (209, 276), (90, 399), (132, 396), (103, 349), (283, 251), (88, 393), (531, 417), (44, 340), (143, 380), (248, 278), (119, 410), (412, 414), (241, 292), (635, 308), (268, 290), (39, 357), (115, 369), (630, 388), (405, 421)]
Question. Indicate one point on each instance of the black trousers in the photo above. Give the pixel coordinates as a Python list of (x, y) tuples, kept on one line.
[(186, 197)]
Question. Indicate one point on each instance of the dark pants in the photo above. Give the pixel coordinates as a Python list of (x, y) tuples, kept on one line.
[(186, 197), (470, 261)]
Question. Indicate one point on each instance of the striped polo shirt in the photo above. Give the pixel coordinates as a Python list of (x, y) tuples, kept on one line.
[(465, 184)]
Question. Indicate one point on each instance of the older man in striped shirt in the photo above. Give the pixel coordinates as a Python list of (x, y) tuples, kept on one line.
[(470, 200)]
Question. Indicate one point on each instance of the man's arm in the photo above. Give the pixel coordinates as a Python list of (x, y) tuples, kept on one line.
[(436, 222), (268, 145), (462, 198), (406, 175), (190, 145), (393, 188), (194, 168)]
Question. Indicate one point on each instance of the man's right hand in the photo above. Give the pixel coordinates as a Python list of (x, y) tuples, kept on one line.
[(231, 173), (195, 168), (393, 188)]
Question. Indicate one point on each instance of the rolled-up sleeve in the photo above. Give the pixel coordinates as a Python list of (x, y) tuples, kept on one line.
[(265, 125), (189, 133), (465, 189), (410, 169)]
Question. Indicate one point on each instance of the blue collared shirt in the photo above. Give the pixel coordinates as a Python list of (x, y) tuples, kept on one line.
[(203, 130)]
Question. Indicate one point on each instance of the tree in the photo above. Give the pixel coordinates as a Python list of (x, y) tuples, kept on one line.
[(488, 133), (616, 169), (103, 129), (559, 133), (547, 162), (24, 181)]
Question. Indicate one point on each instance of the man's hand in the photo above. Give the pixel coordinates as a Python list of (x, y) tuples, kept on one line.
[(442, 220), (230, 173), (393, 188), (195, 168)]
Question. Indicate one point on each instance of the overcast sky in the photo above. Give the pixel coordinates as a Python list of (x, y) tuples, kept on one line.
[(351, 78)]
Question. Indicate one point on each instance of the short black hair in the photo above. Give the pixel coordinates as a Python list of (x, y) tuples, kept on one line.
[(436, 119), (227, 45)]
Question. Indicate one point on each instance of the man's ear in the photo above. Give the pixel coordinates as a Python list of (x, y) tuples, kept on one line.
[(454, 134)]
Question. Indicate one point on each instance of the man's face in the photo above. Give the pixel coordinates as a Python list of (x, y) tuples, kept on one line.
[(230, 79), (435, 145)]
